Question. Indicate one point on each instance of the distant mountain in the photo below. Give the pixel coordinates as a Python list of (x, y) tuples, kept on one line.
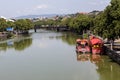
[(37, 16)]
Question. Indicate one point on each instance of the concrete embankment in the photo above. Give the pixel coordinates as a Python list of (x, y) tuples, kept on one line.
[(113, 54)]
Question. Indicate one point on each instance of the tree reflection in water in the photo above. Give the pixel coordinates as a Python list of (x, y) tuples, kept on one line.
[(70, 38), (107, 68), (19, 44)]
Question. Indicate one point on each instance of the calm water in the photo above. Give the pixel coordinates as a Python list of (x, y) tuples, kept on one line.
[(47, 55)]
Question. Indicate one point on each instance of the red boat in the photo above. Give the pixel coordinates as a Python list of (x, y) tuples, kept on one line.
[(96, 45), (82, 46)]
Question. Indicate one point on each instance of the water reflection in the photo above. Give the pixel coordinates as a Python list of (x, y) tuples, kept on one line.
[(106, 68), (70, 38), (83, 57), (99, 67), (19, 43), (52, 56), (93, 58), (67, 37)]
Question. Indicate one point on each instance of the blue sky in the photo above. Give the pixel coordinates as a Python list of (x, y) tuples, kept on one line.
[(13, 8)]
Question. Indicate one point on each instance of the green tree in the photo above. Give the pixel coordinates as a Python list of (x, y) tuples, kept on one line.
[(80, 23), (39, 23), (65, 21), (107, 24), (10, 24), (23, 24), (3, 24)]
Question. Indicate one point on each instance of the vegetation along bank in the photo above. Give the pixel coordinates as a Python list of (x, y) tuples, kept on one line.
[(102, 23)]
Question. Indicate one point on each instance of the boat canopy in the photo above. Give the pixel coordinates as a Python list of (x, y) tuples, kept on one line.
[(96, 41)]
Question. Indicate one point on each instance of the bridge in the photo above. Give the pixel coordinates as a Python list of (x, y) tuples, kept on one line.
[(56, 28)]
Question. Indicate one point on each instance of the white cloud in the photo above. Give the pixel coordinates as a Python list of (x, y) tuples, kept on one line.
[(42, 6)]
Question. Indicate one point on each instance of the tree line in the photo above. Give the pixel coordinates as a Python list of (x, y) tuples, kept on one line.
[(21, 24), (105, 24)]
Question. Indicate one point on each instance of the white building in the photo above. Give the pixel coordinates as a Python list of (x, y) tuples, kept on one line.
[(7, 19)]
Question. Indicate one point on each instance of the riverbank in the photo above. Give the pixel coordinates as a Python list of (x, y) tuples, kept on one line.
[(10, 35)]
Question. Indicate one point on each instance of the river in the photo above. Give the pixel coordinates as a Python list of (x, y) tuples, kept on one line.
[(48, 55)]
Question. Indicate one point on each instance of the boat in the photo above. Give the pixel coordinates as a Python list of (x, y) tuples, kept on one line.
[(82, 45), (96, 44)]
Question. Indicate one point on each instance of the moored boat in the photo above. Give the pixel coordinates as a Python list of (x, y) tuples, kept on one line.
[(96, 45), (82, 45)]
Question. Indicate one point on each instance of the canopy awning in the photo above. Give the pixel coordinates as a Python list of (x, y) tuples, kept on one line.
[(96, 41)]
